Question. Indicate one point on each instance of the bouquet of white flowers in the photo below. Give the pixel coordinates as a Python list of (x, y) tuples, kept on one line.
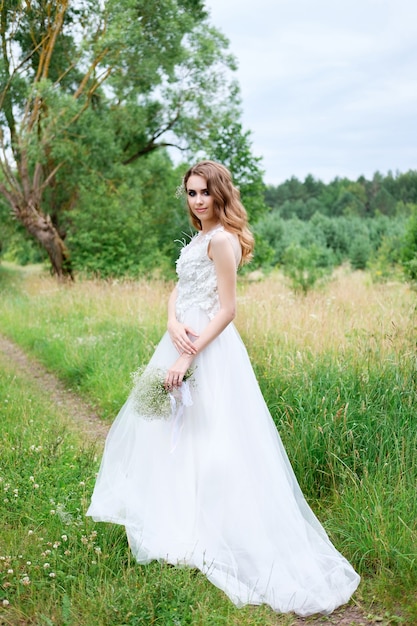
[(152, 401)]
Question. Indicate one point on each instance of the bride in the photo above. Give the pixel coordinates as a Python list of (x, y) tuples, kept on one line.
[(211, 486)]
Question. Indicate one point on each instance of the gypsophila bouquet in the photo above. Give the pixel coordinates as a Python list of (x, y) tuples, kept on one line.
[(151, 400)]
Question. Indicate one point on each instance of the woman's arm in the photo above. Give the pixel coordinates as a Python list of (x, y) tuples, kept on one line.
[(222, 254), (179, 333)]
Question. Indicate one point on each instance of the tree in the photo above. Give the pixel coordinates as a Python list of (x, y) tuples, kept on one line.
[(230, 145), (409, 247), (86, 88)]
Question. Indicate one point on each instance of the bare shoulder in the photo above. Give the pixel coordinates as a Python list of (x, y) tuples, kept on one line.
[(222, 240), (221, 237), (224, 243)]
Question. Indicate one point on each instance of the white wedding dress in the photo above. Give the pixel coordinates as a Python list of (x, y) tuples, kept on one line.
[(224, 499)]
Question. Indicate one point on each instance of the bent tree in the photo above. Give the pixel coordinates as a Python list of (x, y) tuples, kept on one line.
[(147, 73)]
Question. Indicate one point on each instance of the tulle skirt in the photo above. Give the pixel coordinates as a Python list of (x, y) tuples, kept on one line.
[(219, 494)]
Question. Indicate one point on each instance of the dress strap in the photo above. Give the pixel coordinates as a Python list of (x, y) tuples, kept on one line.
[(213, 231)]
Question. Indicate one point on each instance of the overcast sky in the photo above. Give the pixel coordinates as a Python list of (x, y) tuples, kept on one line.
[(329, 87)]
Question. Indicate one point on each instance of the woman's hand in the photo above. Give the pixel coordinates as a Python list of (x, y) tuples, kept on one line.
[(175, 374), (181, 337)]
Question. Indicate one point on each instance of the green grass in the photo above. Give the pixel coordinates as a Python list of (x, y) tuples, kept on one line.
[(338, 371), (59, 567)]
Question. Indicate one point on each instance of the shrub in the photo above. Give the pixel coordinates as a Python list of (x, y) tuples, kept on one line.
[(305, 266)]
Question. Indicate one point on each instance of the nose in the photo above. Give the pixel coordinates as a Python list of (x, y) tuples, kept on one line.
[(199, 199)]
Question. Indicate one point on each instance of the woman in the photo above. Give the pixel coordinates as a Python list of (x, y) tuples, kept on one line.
[(212, 487)]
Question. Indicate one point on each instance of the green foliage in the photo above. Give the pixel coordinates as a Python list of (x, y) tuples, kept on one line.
[(270, 229), (128, 229), (104, 89), (306, 266), (337, 218), (359, 252), (15, 245), (231, 145), (382, 195), (384, 264), (409, 248)]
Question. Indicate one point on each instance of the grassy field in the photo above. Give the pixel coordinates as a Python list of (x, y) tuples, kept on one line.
[(338, 371)]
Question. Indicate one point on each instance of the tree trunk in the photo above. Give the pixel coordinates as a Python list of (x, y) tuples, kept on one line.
[(40, 226)]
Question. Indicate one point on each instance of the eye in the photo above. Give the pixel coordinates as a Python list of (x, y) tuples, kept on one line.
[(206, 192), (191, 193)]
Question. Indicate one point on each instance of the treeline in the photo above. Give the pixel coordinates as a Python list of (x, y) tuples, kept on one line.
[(311, 227), (306, 228), (389, 195)]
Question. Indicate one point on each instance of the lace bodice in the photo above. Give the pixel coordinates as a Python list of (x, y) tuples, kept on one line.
[(197, 281)]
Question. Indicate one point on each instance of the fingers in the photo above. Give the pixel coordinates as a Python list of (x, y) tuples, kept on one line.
[(175, 374), (183, 343), (190, 331), (173, 380), (184, 347)]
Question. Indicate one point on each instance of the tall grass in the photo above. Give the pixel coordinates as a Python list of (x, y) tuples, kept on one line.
[(337, 369)]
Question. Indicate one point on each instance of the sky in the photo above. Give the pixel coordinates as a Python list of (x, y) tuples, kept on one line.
[(329, 87)]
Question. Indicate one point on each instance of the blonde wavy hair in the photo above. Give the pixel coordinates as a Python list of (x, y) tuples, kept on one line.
[(230, 211)]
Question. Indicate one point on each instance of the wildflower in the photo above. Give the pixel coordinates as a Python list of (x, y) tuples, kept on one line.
[(84, 540), (82, 483), (10, 571), (30, 532), (46, 566), (32, 479), (52, 574), (5, 602), (56, 545), (65, 517), (28, 562), (25, 580), (97, 550), (52, 511), (67, 552), (36, 486), (64, 537)]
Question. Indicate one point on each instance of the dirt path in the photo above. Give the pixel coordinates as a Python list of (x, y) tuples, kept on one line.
[(84, 418), (80, 413)]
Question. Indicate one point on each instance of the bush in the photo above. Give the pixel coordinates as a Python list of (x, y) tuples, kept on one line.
[(359, 252), (306, 266), (409, 249)]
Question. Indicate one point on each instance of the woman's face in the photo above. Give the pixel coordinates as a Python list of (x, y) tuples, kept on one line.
[(200, 202)]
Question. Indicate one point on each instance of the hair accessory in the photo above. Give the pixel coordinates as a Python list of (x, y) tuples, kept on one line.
[(180, 190)]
